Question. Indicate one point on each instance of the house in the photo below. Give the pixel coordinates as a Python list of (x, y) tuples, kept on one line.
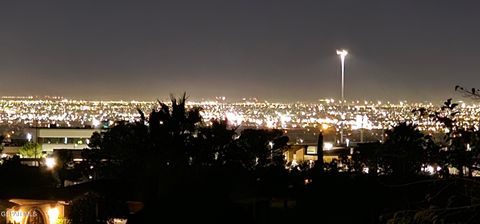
[(58, 205), (298, 153)]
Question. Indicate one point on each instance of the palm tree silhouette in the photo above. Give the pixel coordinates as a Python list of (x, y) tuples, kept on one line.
[(403, 150)]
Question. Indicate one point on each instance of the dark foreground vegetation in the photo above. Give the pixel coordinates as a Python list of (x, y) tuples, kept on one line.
[(183, 170)]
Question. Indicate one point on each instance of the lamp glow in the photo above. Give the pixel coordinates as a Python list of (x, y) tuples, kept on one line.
[(95, 122), (29, 137), (327, 146), (50, 163), (53, 215), (17, 216)]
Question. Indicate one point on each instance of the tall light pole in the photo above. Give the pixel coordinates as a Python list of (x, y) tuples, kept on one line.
[(342, 53)]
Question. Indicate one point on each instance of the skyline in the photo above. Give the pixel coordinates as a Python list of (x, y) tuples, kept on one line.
[(367, 114), (276, 51), (239, 100)]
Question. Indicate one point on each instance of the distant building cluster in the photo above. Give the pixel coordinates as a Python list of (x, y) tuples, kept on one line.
[(327, 114)]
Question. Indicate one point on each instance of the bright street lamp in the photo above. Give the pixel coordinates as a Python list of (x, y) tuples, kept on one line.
[(343, 53), (50, 162)]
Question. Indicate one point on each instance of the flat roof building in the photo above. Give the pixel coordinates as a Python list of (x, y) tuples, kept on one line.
[(61, 138)]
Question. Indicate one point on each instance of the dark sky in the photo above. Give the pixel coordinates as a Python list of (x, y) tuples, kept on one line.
[(276, 50)]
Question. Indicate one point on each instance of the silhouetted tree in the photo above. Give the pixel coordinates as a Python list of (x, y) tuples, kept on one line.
[(319, 164), (259, 146), (1, 143), (172, 153), (65, 168), (433, 155), (214, 145), (471, 93), (403, 151), (95, 208), (461, 143), (120, 151), (367, 157)]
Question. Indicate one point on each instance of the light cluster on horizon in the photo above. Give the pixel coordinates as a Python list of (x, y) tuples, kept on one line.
[(327, 113)]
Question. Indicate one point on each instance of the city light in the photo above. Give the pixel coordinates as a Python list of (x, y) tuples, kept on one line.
[(270, 144), (327, 146), (324, 115), (29, 137), (95, 123), (50, 162)]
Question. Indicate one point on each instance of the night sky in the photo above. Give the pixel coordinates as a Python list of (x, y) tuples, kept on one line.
[(274, 50)]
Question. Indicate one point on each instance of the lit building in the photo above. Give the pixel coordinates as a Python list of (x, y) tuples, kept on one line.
[(308, 152), (35, 211), (53, 206), (51, 139)]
